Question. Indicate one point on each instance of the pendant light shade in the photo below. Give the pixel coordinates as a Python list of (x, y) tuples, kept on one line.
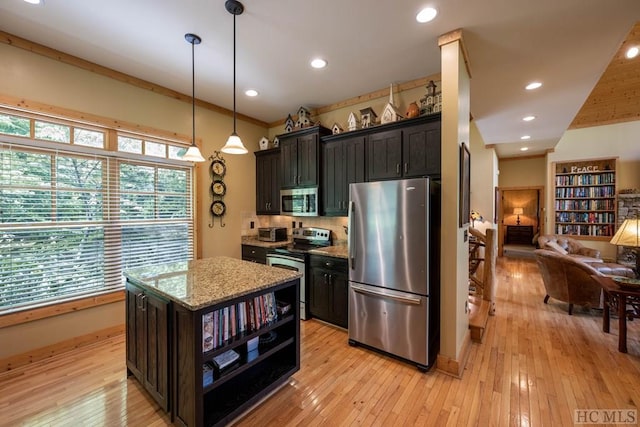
[(193, 153), (234, 143)]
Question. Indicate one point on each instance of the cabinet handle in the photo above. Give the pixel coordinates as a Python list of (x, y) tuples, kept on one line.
[(397, 168), (330, 279), (139, 301), (144, 302), (406, 168)]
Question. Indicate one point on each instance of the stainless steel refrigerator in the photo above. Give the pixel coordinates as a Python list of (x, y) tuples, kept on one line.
[(394, 268)]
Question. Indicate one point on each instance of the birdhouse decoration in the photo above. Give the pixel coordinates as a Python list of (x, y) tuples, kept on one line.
[(353, 122), (276, 142), (432, 102), (264, 143), (367, 117), (336, 129), (390, 113), (289, 124), (304, 118)]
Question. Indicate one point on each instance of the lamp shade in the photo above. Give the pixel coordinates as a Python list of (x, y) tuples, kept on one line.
[(518, 211), (628, 234), (234, 145), (193, 155)]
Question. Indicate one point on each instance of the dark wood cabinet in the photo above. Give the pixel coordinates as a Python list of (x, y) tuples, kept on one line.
[(148, 342), (519, 234), (421, 150), (268, 172), (329, 284), (408, 151), (254, 254), (343, 163), (299, 157), (384, 155)]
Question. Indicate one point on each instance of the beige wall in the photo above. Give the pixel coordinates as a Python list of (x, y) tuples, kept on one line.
[(484, 175), (36, 78), (526, 172), (619, 140)]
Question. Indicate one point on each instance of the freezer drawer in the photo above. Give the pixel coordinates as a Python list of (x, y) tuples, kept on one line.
[(391, 321)]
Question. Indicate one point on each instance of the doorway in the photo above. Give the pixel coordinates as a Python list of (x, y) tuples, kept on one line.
[(520, 217)]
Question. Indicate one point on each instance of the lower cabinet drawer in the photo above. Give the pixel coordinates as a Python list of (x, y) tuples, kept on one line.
[(254, 254)]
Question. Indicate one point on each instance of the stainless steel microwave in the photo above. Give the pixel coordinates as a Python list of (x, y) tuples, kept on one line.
[(299, 201)]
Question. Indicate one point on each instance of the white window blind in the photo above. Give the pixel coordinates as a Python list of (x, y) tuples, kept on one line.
[(70, 223)]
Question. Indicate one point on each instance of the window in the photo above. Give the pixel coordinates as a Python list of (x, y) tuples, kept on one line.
[(70, 223)]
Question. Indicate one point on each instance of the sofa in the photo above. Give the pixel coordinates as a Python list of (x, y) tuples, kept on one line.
[(567, 279), (567, 246)]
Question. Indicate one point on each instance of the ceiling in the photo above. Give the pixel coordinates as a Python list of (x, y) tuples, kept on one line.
[(567, 45)]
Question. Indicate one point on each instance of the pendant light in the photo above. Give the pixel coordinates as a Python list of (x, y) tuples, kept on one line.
[(193, 153), (234, 144)]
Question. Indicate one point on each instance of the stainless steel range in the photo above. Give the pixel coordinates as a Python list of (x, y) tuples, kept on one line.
[(296, 257)]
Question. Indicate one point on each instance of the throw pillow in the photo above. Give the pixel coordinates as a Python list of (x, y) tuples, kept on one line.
[(556, 247)]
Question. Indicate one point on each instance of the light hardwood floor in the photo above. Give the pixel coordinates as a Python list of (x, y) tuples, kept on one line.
[(535, 367)]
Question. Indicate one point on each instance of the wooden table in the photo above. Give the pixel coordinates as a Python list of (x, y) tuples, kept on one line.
[(619, 298)]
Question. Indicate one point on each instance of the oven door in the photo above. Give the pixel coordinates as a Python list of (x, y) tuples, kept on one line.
[(291, 263)]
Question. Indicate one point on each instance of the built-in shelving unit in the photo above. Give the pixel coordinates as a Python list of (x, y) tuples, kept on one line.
[(585, 198), (263, 364)]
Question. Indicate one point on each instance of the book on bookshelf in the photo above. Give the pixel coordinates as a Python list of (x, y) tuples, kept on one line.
[(223, 324)]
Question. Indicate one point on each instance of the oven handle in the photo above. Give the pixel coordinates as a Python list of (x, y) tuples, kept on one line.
[(407, 299), (287, 267)]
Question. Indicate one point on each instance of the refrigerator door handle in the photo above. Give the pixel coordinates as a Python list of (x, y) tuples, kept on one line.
[(405, 299), (352, 232)]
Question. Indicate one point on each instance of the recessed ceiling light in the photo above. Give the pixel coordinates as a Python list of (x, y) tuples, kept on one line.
[(318, 63), (251, 92), (533, 85), (34, 1), (529, 118), (525, 137), (632, 52), (524, 148), (427, 14)]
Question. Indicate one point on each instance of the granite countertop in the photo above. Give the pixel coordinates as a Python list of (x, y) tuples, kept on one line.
[(339, 250), (253, 241), (204, 282)]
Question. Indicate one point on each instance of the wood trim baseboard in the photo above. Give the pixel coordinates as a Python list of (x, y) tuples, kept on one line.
[(42, 353), (60, 308), (454, 367)]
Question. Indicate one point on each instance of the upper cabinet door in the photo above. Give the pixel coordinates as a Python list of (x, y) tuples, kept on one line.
[(308, 160), (384, 155), (289, 162), (421, 150)]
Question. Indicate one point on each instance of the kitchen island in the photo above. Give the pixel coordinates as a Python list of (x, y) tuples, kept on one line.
[(183, 318)]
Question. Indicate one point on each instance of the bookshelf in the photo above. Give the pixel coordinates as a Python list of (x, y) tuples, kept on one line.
[(585, 198), (204, 395)]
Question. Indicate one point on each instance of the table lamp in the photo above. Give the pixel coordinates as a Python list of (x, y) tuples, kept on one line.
[(629, 235), (518, 211), (475, 216)]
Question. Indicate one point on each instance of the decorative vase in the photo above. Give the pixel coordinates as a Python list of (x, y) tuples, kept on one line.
[(412, 111)]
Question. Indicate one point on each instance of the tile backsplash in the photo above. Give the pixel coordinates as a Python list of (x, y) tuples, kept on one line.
[(335, 224)]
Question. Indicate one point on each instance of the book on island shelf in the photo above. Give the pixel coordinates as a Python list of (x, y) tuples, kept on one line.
[(225, 359)]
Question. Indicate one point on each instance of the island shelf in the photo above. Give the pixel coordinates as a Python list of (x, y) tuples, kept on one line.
[(267, 342)]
